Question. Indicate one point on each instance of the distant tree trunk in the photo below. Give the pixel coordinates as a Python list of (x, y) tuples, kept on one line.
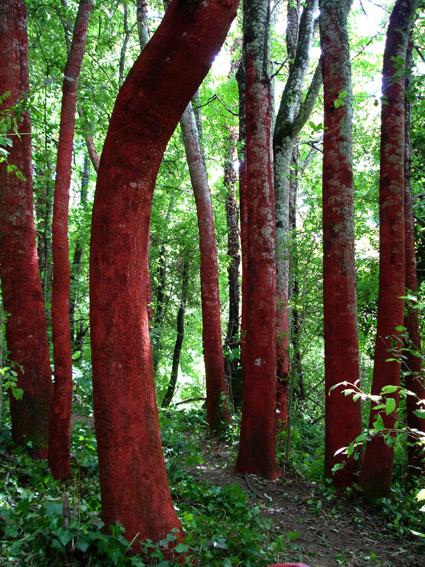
[(295, 323), (133, 481), (161, 299), (414, 377), (342, 414), (26, 332), (127, 33), (180, 335), (376, 475), (78, 252), (142, 22), (217, 393), (292, 115), (257, 437), (232, 220), (60, 414), (240, 78)]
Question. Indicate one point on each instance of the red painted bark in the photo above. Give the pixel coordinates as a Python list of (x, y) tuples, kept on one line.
[(257, 438), (60, 413), (134, 487), (414, 380), (342, 414), (26, 332), (376, 475), (217, 393)]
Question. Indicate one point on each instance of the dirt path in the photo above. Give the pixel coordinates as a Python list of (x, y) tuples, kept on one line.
[(319, 532)]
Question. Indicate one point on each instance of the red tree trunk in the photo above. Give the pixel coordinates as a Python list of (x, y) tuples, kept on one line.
[(60, 415), (342, 414), (378, 460), (26, 332), (414, 378), (257, 439), (133, 479), (217, 393)]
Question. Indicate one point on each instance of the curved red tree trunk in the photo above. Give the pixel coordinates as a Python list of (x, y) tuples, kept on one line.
[(26, 332), (342, 414), (257, 438), (376, 475), (60, 414), (133, 479), (217, 393)]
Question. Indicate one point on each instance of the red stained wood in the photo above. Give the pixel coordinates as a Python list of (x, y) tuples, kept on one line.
[(134, 487), (257, 437), (60, 415), (378, 460), (26, 332), (342, 414)]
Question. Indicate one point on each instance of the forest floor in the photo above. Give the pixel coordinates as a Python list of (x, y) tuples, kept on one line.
[(320, 529)]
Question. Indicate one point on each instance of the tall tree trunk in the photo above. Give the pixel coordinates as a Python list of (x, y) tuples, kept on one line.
[(240, 78), (180, 335), (376, 475), (26, 332), (291, 118), (414, 377), (60, 414), (342, 413), (78, 252), (295, 323), (133, 481), (232, 220), (257, 437), (217, 394)]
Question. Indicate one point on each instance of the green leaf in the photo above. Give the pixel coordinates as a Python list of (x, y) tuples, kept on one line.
[(181, 548), (389, 390), (378, 424), (390, 405)]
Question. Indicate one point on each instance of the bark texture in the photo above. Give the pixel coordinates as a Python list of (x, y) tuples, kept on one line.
[(217, 393), (376, 474), (342, 414), (414, 377), (60, 414), (134, 487), (26, 332), (257, 437), (292, 115)]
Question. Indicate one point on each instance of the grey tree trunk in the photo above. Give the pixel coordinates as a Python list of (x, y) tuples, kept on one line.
[(180, 335)]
